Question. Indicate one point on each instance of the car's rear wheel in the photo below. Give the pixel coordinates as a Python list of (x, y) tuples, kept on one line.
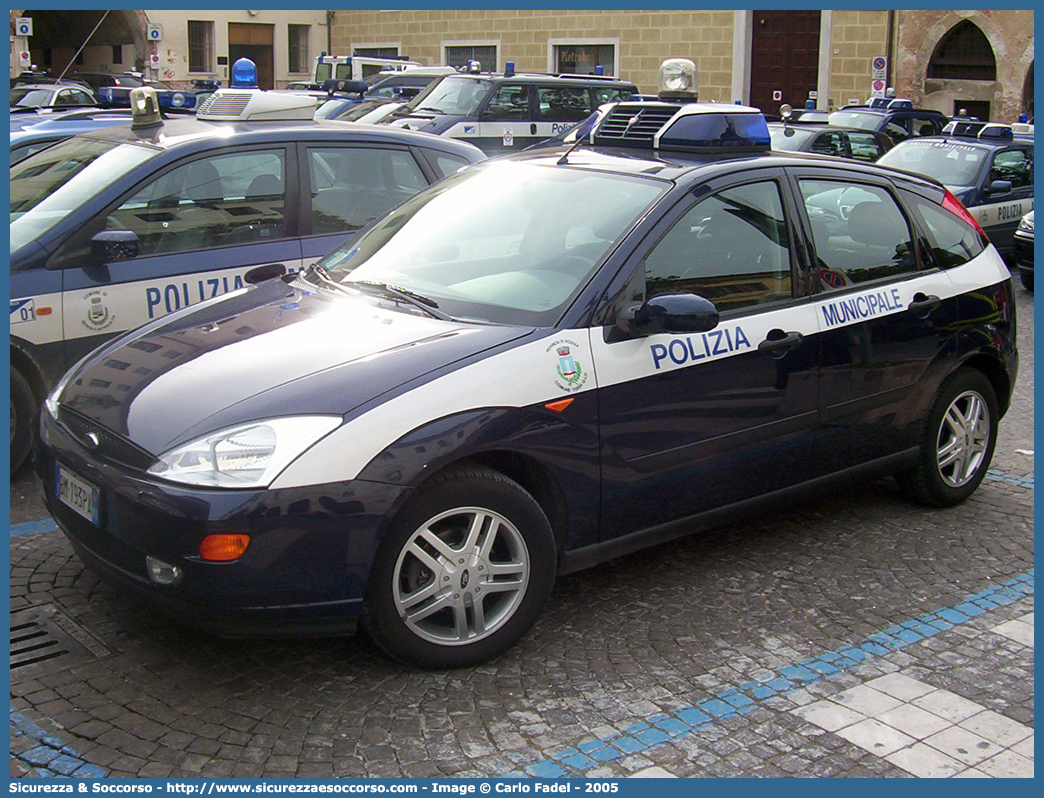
[(462, 573), (23, 412), (957, 443)]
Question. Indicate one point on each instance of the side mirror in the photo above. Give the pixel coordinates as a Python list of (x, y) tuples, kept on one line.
[(261, 273), (672, 313), (1000, 187), (110, 246), (487, 115)]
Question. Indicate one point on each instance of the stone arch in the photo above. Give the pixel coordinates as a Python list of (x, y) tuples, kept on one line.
[(963, 53)]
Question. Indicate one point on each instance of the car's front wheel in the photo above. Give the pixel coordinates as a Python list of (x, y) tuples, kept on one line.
[(1027, 279), (957, 443), (462, 573)]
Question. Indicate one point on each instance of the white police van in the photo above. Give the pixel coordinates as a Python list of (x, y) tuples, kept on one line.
[(118, 227), (549, 360)]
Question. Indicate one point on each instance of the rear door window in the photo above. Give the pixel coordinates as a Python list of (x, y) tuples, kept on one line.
[(563, 103), (865, 146), (859, 232)]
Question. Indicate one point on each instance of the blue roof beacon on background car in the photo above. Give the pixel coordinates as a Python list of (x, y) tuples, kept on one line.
[(984, 164), (118, 227), (546, 361)]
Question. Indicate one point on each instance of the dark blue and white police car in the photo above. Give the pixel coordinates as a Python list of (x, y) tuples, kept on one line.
[(121, 226), (987, 167), (546, 361)]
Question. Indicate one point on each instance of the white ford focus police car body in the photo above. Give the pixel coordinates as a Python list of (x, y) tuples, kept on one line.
[(545, 361), (115, 228)]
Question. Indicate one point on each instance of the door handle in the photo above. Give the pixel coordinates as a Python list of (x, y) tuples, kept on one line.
[(778, 343), (923, 304)]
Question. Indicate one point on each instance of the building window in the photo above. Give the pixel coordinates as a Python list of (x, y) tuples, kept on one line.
[(963, 54), (117, 54), (298, 48), (377, 52), (581, 59), (458, 55), (200, 46)]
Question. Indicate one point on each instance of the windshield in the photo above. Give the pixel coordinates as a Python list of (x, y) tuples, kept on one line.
[(507, 243), (456, 96), (949, 163), (858, 119), (789, 138), (48, 186), (29, 98)]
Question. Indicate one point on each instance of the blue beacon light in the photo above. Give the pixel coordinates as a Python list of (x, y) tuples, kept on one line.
[(244, 75)]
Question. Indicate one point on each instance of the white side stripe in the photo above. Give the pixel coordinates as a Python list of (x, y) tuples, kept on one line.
[(563, 364)]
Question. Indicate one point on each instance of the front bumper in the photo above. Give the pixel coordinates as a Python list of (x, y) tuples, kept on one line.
[(304, 571), (1023, 245)]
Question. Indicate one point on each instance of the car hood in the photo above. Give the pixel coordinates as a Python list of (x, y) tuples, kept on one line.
[(426, 123), (964, 193), (272, 350)]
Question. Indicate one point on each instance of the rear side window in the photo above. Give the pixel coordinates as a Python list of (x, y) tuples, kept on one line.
[(564, 103), (859, 233), (445, 163), (953, 241), (865, 146)]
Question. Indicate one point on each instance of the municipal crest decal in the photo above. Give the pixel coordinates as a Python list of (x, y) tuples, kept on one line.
[(570, 373), (97, 316)]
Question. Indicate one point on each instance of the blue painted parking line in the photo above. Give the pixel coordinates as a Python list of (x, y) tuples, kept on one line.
[(50, 756), (647, 734), (33, 527), (1012, 479)]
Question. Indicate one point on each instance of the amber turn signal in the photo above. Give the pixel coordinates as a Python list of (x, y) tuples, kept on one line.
[(223, 548)]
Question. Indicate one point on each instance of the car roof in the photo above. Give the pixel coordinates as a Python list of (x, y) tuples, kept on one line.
[(683, 166), (971, 141), (181, 131), (529, 77), (815, 127)]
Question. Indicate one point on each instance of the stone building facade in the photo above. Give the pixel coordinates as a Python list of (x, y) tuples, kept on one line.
[(726, 46)]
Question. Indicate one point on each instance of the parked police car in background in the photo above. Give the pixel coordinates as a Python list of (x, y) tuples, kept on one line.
[(115, 228), (897, 118), (839, 142), (984, 165), (546, 361), (502, 113), (57, 127)]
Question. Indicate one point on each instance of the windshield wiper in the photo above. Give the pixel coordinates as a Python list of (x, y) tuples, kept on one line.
[(429, 108), (427, 304)]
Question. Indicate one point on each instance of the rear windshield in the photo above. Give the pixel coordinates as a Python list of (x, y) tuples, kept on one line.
[(789, 138), (858, 119)]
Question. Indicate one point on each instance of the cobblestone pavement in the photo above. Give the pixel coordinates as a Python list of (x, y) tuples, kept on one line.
[(853, 635)]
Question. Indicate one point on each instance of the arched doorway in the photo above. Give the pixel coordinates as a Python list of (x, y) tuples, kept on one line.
[(964, 59)]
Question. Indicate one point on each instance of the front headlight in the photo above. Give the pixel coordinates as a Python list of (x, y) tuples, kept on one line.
[(1026, 225), (244, 456)]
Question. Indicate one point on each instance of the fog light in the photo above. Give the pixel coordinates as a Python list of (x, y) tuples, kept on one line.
[(162, 573), (223, 548)]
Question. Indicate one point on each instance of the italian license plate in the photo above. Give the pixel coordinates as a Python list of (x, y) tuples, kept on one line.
[(77, 493)]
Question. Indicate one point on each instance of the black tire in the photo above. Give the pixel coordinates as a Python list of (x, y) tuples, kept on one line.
[(23, 419), (489, 534), (1027, 279), (943, 480)]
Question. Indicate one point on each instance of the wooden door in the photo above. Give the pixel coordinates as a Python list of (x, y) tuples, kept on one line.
[(253, 41), (784, 58)]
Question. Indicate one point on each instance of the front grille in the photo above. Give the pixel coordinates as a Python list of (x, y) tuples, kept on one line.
[(618, 127), (111, 446)]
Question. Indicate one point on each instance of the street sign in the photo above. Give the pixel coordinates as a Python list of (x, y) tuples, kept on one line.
[(154, 32), (24, 26), (154, 60), (877, 88), (24, 59), (878, 67), (777, 96)]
